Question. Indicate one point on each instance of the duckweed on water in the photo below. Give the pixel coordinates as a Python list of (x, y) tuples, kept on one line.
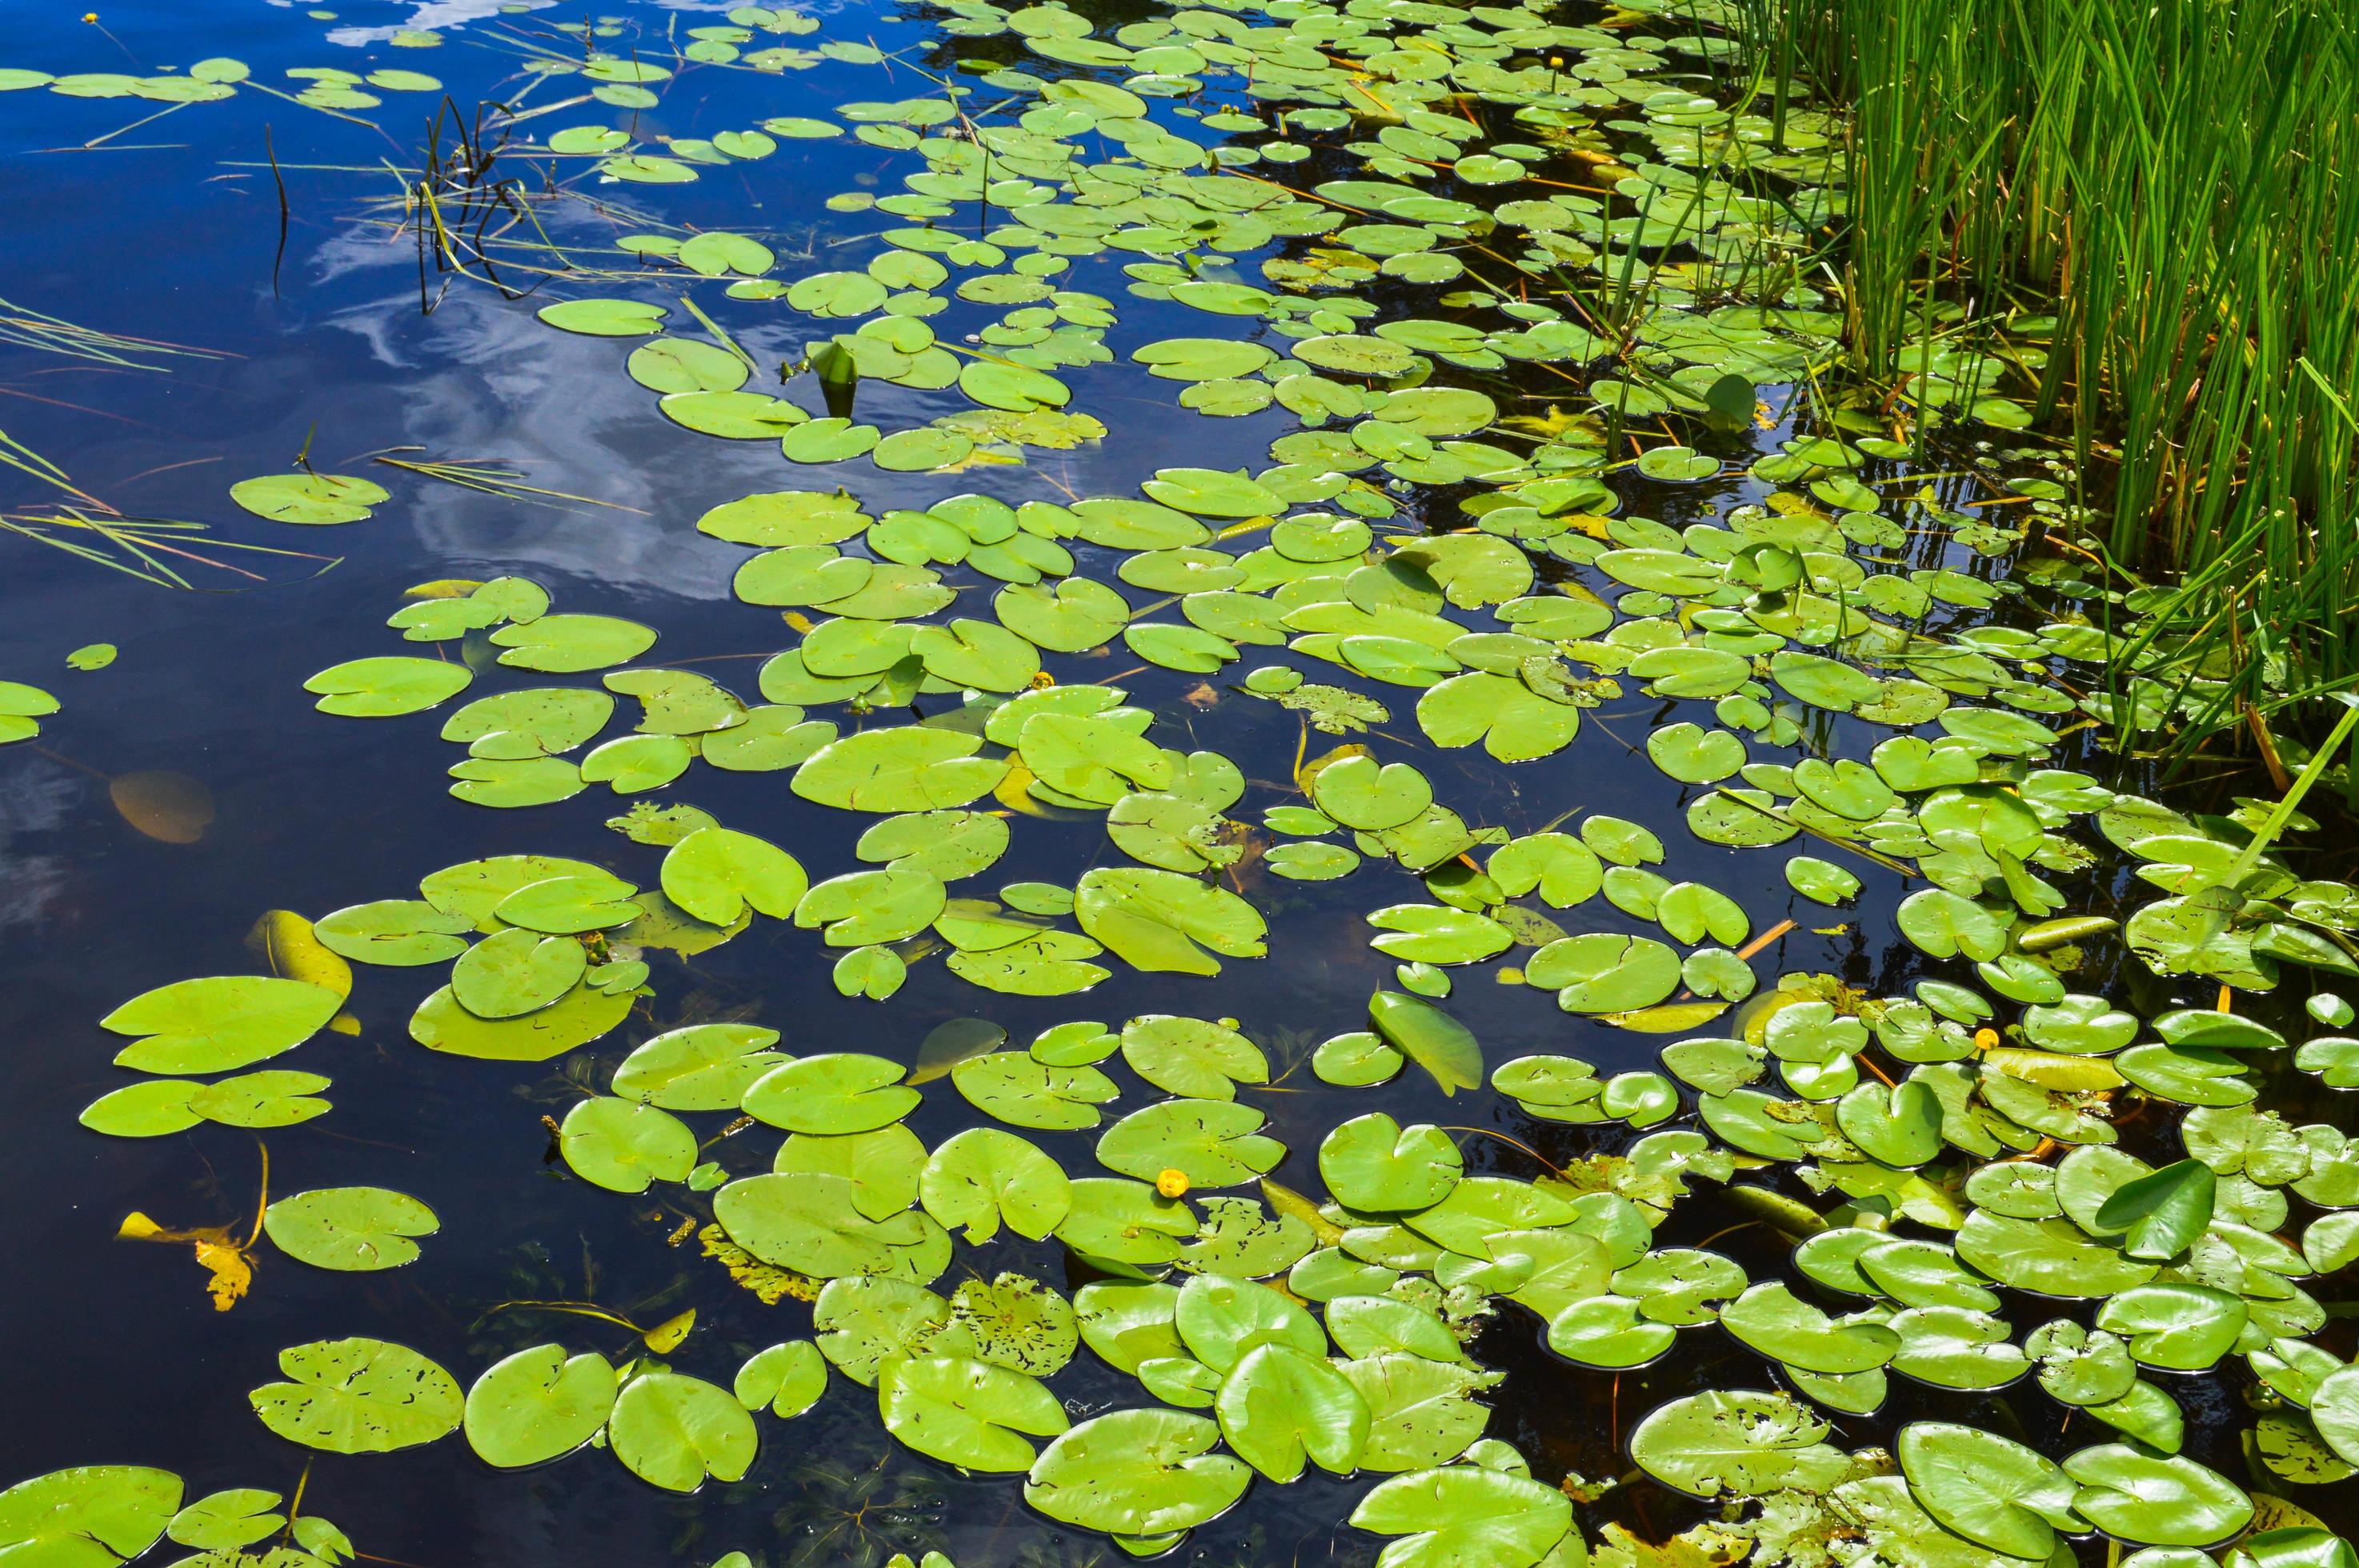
[(1416, 570)]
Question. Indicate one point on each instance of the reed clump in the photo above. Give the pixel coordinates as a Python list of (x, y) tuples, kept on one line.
[(2148, 211)]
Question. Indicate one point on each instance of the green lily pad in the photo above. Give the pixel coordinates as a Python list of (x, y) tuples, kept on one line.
[(898, 770), (1944, 924), (514, 725), (810, 1223), (1136, 1473), (226, 1519), (386, 687), (833, 1093), (1770, 1319), (983, 1178), (1372, 1164), (716, 874), (1988, 1488), (214, 1025), (967, 1412), (2334, 1406), (1604, 973), (2155, 1499), (309, 498), (516, 972), (789, 1379), (673, 1431), (537, 1405), (564, 645), (1608, 1332), (1738, 1442), (1437, 934), (1355, 355), (686, 364), (2049, 1257), (1212, 1142), (442, 1023), (2176, 1327), (1071, 616), (1900, 1125), (1211, 493), (2159, 1214), (702, 1066), (352, 1230), (1281, 1407), (93, 1516), (1357, 1060), (1159, 920), (1417, 1029), (605, 317), (359, 1396), (625, 1147), (1695, 755), (1514, 723), (1019, 1089)]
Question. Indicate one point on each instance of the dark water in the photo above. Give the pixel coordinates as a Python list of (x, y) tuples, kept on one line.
[(170, 231)]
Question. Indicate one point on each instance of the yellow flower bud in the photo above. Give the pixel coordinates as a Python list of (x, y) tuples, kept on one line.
[(1172, 1183), (1985, 1038)]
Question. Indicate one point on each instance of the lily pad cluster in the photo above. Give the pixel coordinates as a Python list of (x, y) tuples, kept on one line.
[(112, 1513), (22, 709), (1942, 1168), (219, 77)]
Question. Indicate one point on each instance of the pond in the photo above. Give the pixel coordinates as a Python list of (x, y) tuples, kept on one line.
[(1037, 785)]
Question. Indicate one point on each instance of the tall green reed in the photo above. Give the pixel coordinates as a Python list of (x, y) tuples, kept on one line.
[(2172, 183)]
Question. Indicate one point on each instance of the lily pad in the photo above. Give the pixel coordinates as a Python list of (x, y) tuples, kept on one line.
[(309, 498), (93, 1516), (538, 1404), (1738, 1442), (1990, 1489), (673, 1431), (215, 1024), (387, 687), (967, 1412), (1136, 1473), (716, 874), (1281, 1407), (352, 1230), (625, 1147), (359, 1396)]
